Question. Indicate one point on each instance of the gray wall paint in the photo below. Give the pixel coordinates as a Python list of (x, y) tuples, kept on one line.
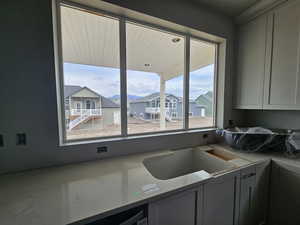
[(138, 108), (195, 109), (272, 119), (27, 84), (187, 13)]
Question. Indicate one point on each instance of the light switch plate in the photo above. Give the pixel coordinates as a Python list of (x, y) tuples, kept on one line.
[(21, 139)]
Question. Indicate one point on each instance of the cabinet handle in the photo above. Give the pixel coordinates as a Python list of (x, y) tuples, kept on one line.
[(250, 198), (248, 175)]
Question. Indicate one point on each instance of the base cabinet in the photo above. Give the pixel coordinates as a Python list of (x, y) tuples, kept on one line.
[(261, 193), (239, 198), (254, 194), (220, 200), (246, 198), (235, 198), (285, 197), (178, 209)]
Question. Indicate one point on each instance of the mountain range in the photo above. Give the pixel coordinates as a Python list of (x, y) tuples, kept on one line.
[(116, 98)]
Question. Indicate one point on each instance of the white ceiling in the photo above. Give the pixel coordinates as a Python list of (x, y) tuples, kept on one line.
[(228, 7), (93, 40)]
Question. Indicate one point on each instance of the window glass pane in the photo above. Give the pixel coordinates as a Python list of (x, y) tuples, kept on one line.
[(155, 65), (90, 44), (201, 106)]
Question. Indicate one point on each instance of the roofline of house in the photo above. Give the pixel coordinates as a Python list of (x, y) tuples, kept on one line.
[(84, 88)]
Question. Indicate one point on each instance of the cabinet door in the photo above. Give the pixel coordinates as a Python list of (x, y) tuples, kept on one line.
[(251, 64), (220, 200), (282, 79), (246, 212), (178, 209), (285, 197), (261, 193)]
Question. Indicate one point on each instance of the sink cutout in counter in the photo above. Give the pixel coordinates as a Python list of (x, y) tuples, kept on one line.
[(183, 162), (221, 154)]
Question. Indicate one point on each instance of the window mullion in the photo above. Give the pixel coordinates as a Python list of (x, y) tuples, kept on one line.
[(186, 82), (123, 79)]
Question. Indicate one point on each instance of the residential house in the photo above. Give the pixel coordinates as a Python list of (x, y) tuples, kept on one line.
[(148, 107), (207, 100), (83, 105)]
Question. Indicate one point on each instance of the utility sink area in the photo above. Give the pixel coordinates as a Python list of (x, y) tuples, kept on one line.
[(185, 161)]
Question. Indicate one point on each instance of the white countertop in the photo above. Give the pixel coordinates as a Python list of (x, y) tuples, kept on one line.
[(66, 194)]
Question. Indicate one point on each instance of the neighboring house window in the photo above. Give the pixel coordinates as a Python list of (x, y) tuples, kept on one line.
[(88, 104), (141, 95), (93, 105)]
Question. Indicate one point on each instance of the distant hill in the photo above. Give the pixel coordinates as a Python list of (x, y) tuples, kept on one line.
[(206, 100), (116, 98)]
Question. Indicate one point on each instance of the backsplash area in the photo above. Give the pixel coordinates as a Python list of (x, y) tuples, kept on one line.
[(272, 119)]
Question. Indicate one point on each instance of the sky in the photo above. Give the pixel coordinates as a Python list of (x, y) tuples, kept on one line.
[(106, 81)]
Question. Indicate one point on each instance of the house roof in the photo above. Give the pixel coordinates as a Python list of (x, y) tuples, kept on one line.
[(107, 103), (205, 99), (153, 96), (70, 90)]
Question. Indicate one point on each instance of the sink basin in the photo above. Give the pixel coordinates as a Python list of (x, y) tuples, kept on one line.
[(186, 161)]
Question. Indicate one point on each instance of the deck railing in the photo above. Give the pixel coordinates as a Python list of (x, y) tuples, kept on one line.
[(90, 112), (156, 109)]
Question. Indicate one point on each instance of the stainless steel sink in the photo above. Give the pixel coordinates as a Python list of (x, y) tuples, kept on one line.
[(186, 161)]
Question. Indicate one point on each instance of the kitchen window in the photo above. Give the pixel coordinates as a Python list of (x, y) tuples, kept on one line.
[(141, 79)]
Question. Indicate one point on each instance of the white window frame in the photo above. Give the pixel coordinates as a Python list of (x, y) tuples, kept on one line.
[(123, 73)]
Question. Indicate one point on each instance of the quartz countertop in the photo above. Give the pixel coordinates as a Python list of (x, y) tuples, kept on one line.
[(67, 194), (70, 193)]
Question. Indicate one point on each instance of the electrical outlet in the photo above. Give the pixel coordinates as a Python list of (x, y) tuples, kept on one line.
[(1, 141), (102, 149), (205, 136), (21, 139)]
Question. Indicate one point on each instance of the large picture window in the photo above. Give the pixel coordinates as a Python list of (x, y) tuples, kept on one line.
[(155, 67), (119, 77)]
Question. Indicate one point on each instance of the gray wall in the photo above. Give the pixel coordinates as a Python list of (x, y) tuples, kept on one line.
[(27, 83), (196, 110), (272, 119), (138, 108)]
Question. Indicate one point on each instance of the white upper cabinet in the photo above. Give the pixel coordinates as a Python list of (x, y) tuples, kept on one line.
[(251, 64), (282, 81), (268, 60)]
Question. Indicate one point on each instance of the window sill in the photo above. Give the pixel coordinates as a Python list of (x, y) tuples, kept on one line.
[(135, 136)]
